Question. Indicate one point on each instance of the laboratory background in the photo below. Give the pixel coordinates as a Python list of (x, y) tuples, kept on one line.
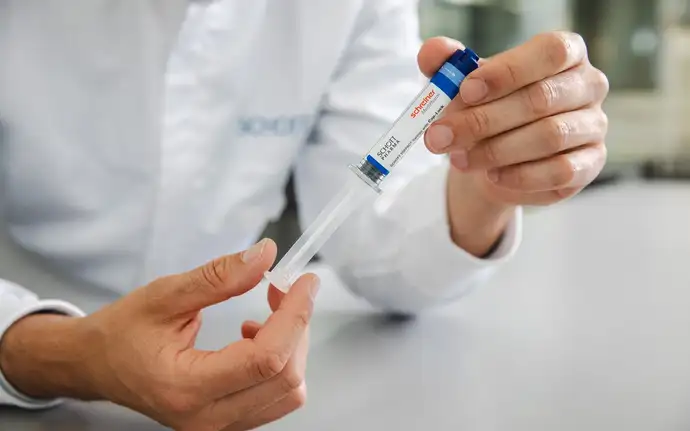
[(587, 328)]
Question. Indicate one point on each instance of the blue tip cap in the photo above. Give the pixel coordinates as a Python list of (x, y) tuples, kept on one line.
[(466, 61)]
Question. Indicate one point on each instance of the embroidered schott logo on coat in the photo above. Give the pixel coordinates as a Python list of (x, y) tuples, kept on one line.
[(279, 126)]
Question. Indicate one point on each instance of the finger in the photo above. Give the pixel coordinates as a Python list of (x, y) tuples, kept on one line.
[(538, 140), (251, 401), (293, 401), (275, 297), (250, 329), (542, 56), (250, 362), (287, 325), (435, 52), (568, 91), (572, 169), (546, 198), (551, 197), (214, 282)]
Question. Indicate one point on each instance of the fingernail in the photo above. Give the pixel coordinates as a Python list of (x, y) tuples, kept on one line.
[(439, 138), (493, 176), (459, 159), (254, 252), (473, 90)]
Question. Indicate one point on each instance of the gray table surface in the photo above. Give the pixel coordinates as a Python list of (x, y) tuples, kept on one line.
[(587, 329)]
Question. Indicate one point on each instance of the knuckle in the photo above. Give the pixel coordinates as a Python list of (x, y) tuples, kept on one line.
[(601, 82), (291, 380), (268, 365), (302, 318), (215, 272), (491, 153), (478, 123), (603, 154), (558, 47), (541, 97), (564, 173), (176, 402), (297, 398), (557, 134), (601, 78), (603, 122)]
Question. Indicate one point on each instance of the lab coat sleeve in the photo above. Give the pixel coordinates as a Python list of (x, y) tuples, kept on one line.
[(398, 253), (16, 303)]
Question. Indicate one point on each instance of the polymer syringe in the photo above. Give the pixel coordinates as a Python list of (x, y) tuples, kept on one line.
[(377, 164)]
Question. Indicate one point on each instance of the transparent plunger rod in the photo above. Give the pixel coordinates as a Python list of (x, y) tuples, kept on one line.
[(352, 196)]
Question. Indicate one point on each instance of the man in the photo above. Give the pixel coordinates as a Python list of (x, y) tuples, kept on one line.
[(142, 139)]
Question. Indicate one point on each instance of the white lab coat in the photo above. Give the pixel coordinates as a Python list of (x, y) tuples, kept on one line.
[(143, 138)]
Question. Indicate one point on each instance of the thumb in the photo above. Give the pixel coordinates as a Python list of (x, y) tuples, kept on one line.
[(434, 52), (214, 282)]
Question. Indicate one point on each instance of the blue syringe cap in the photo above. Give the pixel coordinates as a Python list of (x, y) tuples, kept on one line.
[(467, 61)]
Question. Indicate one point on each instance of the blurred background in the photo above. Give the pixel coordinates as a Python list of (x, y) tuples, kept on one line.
[(642, 45)]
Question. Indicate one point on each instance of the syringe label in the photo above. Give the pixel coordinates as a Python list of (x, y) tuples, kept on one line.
[(412, 125), (448, 79)]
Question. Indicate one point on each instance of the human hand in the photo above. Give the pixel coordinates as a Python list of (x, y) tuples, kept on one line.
[(527, 128), (529, 121), (139, 351)]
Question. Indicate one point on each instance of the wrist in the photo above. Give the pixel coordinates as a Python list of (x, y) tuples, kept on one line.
[(41, 356), (477, 222)]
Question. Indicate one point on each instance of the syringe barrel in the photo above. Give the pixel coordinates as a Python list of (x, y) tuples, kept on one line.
[(443, 87), (426, 108)]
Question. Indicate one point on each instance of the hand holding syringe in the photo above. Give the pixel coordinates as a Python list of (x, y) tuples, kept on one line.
[(363, 187)]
